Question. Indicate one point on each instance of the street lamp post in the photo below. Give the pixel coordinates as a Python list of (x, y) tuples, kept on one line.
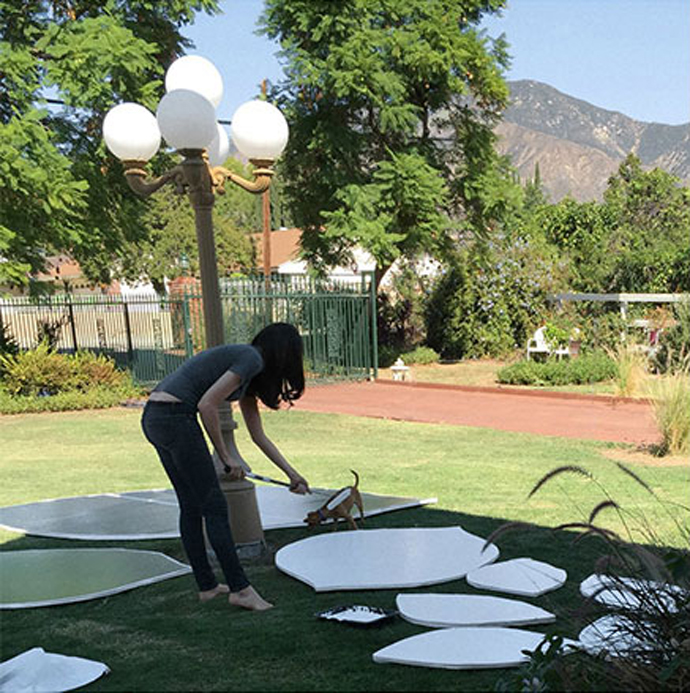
[(186, 119)]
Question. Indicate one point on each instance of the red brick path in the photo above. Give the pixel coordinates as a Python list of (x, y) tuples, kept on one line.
[(557, 414)]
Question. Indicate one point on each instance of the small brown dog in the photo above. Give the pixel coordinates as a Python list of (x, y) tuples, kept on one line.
[(338, 506)]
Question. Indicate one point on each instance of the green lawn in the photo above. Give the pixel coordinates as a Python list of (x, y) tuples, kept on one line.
[(160, 638)]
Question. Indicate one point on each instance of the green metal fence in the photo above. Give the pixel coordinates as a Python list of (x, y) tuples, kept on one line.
[(151, 335)]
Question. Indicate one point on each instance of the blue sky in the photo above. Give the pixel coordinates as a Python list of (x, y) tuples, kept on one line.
[(631, 56)]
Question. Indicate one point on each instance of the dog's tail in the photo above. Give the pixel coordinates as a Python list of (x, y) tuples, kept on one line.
[(356, 478)]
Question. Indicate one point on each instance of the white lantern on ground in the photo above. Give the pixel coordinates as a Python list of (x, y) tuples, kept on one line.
[(131, 132), (194, 73), (187, 120), (219, 149), (259, 130)]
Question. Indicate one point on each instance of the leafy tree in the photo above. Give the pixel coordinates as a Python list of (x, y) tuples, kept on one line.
[(62, 66), (172, 235), (535, 195), (375, 91), (633, 241), (582, 233), (652, 215)]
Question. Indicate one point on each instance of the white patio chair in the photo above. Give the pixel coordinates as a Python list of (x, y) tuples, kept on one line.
[(539, 345)]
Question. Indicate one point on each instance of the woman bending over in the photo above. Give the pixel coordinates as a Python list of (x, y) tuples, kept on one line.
[(271, 370)]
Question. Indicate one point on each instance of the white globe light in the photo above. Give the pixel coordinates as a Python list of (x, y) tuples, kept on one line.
[(195, 73), (131, 132), (187, 119), (219, 149), (259, 130)]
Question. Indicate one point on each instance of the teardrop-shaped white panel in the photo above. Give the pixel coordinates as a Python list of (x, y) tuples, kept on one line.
[(453, 610), (462, 648)]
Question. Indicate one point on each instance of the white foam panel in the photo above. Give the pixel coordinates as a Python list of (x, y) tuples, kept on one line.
[(462, 648), (37, 671), (453, 610), (384, 558), (522, 576)]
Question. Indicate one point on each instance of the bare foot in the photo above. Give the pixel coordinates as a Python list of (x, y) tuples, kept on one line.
[(249, 598), (207, 595)]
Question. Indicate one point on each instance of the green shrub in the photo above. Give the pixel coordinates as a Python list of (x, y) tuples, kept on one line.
[(387, 356), (603, 326), (8, 343), (400, 310), (41, 371), (488, 302), (588, 368), (421, 356), (95, 370), (96, 398), (673, 352)]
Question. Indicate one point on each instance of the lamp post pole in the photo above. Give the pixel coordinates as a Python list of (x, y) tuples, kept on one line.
[(186, 116)]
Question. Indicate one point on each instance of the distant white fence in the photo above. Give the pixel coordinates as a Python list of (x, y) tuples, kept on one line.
[(623, 300)]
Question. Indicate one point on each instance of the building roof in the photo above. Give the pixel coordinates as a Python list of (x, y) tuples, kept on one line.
[(284, 246)]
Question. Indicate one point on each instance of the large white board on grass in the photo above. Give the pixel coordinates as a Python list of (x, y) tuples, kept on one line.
[(462, 648), (153, 514), (37, 671), (384, 558), (634, 594), (453, 610), (47, 577), (617, 636), (522, 576)]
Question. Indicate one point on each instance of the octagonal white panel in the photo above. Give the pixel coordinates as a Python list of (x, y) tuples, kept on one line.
[(453, 610), (37, 670), (614, 634), (523, 576), (634, 594), (47, 577), (154, 514), (384, 558), (462, 648)]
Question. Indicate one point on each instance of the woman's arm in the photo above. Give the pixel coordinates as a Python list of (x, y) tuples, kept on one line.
[(208, 408), (252, 417)]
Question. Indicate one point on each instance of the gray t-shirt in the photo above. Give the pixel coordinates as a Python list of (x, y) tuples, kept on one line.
[(191, 380)]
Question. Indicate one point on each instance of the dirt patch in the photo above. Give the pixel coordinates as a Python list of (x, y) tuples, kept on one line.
[(645, 456)]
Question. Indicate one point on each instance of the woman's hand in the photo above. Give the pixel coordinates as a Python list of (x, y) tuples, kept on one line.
[(298, 484), (234, 470)]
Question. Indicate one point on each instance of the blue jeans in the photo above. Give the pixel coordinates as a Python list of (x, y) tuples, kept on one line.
[(173, 429)]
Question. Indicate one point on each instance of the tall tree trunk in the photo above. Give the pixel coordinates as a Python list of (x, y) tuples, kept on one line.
[(379, 274)]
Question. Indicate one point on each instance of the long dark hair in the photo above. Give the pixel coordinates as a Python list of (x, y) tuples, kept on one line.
[(282, 378)]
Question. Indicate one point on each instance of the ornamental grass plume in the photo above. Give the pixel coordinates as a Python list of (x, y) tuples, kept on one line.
[(631, 369), (653, 623), (670, 395)]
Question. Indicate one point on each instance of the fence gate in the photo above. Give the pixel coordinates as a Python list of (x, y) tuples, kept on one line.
[(152, 335)]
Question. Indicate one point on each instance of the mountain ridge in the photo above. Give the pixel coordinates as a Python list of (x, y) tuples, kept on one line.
[(578, 146)]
